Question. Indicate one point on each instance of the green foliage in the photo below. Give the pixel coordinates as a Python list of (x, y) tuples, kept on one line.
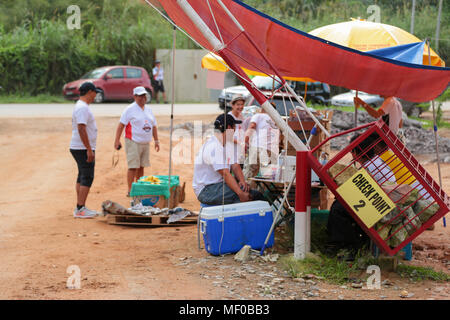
[(38, 53), (27, 98), (445, 96), (330, 269), (421, 273)]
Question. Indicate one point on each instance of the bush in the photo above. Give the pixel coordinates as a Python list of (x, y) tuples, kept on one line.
[(40, 54)]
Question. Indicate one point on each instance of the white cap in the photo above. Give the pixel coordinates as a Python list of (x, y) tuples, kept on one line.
[(139, 91)]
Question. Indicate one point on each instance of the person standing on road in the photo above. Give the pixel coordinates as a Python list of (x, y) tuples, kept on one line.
[(141, 127), (158, 81), (82, 147)]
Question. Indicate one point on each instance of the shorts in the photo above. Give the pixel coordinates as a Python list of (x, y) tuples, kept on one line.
[(138, 154), (85, 169), (158, 86), (220, 193)]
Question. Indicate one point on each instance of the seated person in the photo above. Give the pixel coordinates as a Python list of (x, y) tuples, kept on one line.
[(367, 153), (213, 183), (343, 231)]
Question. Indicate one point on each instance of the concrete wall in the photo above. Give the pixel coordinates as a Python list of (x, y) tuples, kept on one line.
[(190, 77)]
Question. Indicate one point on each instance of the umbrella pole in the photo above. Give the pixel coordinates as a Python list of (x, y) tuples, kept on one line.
[(171, 109), (306, 89), (356, 111), (435, 131)]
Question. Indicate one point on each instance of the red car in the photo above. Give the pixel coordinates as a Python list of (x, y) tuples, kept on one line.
[(116, 83)]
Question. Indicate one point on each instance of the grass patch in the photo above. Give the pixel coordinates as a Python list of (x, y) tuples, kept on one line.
[(40, 98), (331, 269), (428, 123), (421, 273), (331, 107)]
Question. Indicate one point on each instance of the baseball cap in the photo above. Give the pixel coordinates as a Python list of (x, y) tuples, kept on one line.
[(138, 91), (219, 124), (86, 87), (237, 97)]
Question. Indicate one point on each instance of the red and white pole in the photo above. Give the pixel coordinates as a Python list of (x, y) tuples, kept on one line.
[(302, 222)]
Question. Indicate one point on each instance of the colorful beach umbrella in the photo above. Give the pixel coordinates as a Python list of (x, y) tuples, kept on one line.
[(365, 36)]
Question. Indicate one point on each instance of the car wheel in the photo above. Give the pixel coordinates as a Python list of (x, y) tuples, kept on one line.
[(414, 112), (318, 102), (100, 97), (149, 96)]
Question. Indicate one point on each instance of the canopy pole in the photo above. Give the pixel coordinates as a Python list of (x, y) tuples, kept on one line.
[(171, 108), (356, 111), (220, 48), (435, 131)]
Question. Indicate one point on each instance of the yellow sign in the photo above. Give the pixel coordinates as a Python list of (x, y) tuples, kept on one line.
[(366, 198)]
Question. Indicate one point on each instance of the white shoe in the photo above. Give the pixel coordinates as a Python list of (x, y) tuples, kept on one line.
[(84, 213)]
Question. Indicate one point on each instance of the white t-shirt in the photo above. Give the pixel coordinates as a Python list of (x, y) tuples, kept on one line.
[(380, 171), (211, 157), (393, 107), (82, 114), (161, 73), (138, 123), (239, 135), (267, 134)]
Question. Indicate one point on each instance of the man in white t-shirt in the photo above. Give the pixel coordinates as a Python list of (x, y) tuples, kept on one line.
[(391, 107), (212, 182), (262, 141), (82, 147), (140, 128), (158, 81)]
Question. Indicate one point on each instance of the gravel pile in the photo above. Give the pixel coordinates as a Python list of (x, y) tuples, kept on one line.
[(418, 140)]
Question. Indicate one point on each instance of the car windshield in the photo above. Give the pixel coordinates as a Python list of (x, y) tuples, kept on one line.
[(265, 83), (94, 74), (279, 104)]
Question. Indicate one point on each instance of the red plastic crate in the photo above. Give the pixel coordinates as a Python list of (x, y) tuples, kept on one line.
[(382, 185)]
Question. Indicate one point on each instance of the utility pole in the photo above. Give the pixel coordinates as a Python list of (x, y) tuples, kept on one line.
[(438, 26), (413, 11)]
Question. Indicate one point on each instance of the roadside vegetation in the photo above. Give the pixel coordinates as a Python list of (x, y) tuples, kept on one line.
[(337, 271), (39, 53)]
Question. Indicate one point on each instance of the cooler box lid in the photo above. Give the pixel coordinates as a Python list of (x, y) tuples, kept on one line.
[(235, 209)]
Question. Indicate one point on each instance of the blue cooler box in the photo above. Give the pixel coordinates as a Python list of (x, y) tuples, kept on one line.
[(227, 228)]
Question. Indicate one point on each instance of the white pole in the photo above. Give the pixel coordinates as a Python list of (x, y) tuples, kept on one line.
[(305, 107), (436, 137), (171, 109), (438, 26), (212, 39), (201, 25), (300, 236), (413, 11)]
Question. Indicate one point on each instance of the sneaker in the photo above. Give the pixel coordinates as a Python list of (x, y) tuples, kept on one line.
[(85, 213)]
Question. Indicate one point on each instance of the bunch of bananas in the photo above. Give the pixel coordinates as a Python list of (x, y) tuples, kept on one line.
[(152, 180)]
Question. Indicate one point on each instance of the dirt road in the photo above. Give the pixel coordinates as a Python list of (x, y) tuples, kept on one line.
[(40, 239)]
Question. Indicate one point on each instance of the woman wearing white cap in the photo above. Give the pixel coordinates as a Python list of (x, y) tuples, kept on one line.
[(140, 128), (237, 105)]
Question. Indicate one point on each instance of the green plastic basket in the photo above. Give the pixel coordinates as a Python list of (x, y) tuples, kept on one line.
[(143, 188)]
